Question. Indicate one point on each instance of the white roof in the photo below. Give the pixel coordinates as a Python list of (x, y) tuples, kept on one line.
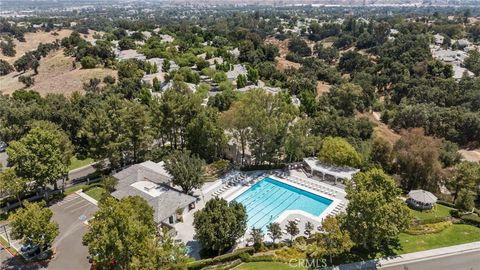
[(422, 196), (338, 172), (150, 188)]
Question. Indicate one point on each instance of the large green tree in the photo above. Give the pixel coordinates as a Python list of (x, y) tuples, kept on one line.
[(117, 130), (331, 242), (42, 155), (205, 136), (466, 176), (124, 233), (339, 152), (219, 225), (375, 213), (186, 170), (13, 185), (33, 226)]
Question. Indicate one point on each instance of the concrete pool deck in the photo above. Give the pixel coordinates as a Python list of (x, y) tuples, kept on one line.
[(186, 232)]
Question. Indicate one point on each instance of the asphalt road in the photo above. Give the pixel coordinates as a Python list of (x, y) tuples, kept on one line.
[(459, 261)]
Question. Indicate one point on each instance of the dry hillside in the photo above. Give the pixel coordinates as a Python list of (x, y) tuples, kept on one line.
[(55, 75), (32, 41)]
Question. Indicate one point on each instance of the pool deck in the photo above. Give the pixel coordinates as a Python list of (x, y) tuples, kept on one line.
[(185, 230)]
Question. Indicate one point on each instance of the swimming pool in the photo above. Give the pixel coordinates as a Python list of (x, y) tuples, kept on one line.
[(268, 199)]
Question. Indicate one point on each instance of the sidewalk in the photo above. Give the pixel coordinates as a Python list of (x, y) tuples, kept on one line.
[(402, 260)]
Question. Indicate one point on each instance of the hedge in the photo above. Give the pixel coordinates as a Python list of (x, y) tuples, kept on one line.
[(471, 219), (432, 220), (449, 204), (220, 259), (429, 228)]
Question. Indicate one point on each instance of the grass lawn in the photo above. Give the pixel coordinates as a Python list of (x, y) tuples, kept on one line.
[(454, 235), (71, 190), (267, 266), (438, 211), (77, 163), (95, 192), (7, 246)]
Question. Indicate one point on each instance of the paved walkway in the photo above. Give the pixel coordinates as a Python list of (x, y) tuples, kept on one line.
[(459, 257)]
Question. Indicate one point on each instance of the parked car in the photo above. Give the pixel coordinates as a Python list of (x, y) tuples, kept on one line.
[(30, 250), (3, 146)]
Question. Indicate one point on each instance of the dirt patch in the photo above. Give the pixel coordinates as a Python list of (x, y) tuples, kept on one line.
[(55, 75), (32, 41), (470, 155), (322, 88), (381, 129), (282, 62)]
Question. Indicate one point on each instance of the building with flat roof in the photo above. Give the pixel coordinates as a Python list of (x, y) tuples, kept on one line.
[(328, 172)]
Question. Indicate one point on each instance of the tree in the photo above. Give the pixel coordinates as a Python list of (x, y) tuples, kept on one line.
[(186, 170), (33, 226), (346, 98), (92, 86), (219, 224), (13, 185), (241, 81), (331, 242), (26, 80), (8, 48), (472, 62), (253, 75), (256, 237), (166, 65), (417, 160), (309, 228), (375, 213), (205, 136), (381, 154), (124, 232), (5, 67), (42, 155), (292, 229), (274, 231), (299, 46), (115, 129), (88, 62), (339, 152), (465, 177), (109, 183), (465, 200)]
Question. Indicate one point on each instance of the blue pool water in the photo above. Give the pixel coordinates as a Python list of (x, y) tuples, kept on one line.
[(268, 199)]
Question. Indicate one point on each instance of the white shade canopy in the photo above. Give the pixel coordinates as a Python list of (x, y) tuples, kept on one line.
[(422, 196)]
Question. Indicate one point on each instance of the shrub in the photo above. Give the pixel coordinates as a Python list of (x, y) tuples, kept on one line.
[(449, 204), (88, 62), (290, 253), (433, 220), (471, 219), (220, 259), (429, 228)]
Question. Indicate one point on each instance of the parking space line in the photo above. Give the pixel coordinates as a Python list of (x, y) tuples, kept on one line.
[(78, 208), (68, 199), (75, 203)]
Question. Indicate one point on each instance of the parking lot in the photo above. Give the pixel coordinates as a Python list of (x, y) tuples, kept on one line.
[(71, 214)]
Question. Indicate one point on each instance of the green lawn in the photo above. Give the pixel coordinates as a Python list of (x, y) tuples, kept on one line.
[(77, 163), (95, 192), (267, 266), (438, 211), (454, 235), (71, 190)]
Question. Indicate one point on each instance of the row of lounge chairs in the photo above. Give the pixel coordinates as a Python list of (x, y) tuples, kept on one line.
[(314, 186)]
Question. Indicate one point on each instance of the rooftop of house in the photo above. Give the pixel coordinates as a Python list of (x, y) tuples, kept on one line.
[(149, 180)]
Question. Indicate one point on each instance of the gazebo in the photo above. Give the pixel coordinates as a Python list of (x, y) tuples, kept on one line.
[(421, 199)]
